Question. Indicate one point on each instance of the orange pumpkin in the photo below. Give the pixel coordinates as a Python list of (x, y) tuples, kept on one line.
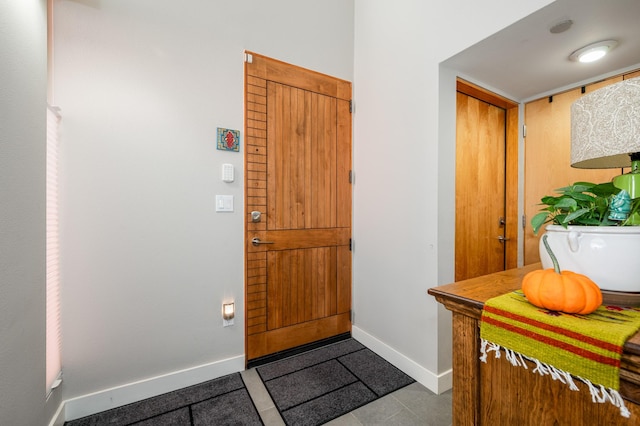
[(563, 291)]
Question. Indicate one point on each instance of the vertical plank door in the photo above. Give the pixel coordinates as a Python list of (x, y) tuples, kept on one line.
[(298, 161)]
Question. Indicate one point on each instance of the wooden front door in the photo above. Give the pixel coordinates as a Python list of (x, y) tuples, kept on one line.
[(486, 183), (298, 206)]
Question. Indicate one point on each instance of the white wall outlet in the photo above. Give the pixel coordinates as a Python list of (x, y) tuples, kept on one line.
[(227, 323)]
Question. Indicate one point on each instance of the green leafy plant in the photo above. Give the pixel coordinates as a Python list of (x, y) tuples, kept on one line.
[(582, 203)]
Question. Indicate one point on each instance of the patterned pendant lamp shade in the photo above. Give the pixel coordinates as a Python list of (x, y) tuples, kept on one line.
[(605, 126)]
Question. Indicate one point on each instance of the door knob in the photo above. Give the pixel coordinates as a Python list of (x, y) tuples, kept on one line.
[(256, 242), (502, 238)]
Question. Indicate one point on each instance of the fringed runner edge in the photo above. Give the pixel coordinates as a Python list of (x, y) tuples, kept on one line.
[(599, 394)]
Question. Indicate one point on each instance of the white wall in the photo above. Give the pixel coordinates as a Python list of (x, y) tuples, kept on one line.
[(405, 163), (142, 85), (22, 209)]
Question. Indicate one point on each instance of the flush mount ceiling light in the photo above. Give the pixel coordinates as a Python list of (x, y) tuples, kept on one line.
[(594, 51)]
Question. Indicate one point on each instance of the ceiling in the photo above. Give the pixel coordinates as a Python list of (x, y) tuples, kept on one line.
[(526, 61)]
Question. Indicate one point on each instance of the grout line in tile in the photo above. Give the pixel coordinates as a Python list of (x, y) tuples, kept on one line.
[(259, 393)]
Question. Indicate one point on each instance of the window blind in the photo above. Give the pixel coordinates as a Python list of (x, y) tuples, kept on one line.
[(53, 336)]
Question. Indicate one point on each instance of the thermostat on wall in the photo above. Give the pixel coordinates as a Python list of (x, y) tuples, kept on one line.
[(227, 172)]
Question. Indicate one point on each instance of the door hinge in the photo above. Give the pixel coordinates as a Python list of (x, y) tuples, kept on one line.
[(351, 176), (350, 244), (353, 317), (524, 221), (351, 106), (524, 130)]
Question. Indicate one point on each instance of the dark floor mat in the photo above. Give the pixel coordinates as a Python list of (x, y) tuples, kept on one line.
[(320, 385), (226, 396)]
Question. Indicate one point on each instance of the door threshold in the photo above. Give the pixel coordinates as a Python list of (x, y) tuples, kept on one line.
[(297, 350)]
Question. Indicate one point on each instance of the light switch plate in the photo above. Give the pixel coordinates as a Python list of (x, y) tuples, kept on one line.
[(224, 203)]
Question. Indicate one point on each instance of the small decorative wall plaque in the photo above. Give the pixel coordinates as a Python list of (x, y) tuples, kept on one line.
[(228, 140)]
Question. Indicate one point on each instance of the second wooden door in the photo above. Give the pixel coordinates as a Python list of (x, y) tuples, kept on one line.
[(480, 188)]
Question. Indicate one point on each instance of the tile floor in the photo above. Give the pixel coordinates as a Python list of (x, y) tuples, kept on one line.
[(413, 405)]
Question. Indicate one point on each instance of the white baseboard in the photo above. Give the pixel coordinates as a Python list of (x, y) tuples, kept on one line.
[(107, 399), (434, 382), (59, 417)]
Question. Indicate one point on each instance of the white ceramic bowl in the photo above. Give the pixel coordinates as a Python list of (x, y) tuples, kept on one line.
[(609, 255)]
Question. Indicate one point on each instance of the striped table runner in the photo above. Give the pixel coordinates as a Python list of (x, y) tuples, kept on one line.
[(564, 346)]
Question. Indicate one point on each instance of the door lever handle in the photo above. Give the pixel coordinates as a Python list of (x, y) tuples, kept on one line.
[(256, 241), (502, 238)]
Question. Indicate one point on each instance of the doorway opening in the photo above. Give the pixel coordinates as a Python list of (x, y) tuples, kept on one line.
[(486, 229)]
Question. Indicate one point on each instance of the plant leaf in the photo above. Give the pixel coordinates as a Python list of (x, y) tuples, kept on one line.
[(583, 187), (566, 203), (549, 200), (635, 206), (538, 220), (564, 189), (574, 215), (604, 189), (581, 197), (582, 203), (559, 219), (607, 222)]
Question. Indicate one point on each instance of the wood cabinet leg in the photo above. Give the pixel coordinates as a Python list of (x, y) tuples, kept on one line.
[(466, 371)]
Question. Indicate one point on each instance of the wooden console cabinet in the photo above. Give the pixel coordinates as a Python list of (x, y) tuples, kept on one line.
[(497, 393)]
